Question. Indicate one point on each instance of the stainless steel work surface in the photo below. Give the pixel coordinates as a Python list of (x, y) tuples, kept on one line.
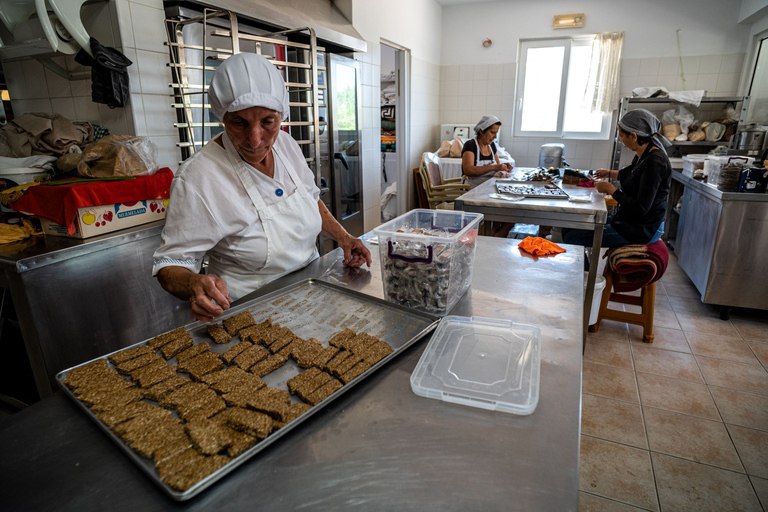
[(311, 309), (376, 447)]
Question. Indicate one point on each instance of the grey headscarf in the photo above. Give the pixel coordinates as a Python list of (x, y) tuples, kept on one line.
[(486, 122), (645, 124)]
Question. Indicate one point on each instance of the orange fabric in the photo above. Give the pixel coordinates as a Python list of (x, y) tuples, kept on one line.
[(540, 246)]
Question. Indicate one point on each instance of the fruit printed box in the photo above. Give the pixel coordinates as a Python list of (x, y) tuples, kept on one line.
[(98, 220)]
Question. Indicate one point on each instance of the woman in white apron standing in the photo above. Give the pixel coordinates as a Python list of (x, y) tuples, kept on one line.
[(479, 162), (247, 199)]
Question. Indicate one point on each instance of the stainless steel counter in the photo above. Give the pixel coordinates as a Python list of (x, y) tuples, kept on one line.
[(78, 299), (721, 241), (378, 447)]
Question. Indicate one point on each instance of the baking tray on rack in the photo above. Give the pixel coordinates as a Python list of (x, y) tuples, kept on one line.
[(311, 309), (530, 189)]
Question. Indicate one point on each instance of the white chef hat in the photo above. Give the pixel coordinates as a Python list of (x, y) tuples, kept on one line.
[(486, 122), (247, 80)]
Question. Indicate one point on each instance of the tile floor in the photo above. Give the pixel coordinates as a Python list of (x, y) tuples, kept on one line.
[(680, 424)]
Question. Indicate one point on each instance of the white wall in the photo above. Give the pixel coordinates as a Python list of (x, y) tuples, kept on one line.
[(476, 81), (415, 25)]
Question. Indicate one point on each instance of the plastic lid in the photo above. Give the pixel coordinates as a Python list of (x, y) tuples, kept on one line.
[(481, 362)]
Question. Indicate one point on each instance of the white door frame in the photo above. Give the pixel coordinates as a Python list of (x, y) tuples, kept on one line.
[(402, 123)]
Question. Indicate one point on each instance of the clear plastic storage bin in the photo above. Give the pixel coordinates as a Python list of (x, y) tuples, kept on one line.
[(481, 362), (692, 163), (715, 163), (427, 257)]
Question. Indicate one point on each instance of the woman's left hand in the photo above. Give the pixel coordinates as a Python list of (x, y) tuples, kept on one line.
[(605, 187), (355, 252)]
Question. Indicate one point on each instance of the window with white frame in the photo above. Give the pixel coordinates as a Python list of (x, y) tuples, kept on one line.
[(553, 77)]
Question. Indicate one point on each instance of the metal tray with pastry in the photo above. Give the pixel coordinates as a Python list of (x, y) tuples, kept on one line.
[(530, 189), (190, 405)]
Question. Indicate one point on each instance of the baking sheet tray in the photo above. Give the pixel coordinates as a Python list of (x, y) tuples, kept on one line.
[(501, 188), (311, 309)]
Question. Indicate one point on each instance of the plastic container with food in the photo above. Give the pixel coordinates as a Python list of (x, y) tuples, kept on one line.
[(692, 163), (427, 257), (481, 362), (715, 163)]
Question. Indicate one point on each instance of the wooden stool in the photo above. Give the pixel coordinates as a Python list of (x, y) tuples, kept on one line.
[(646, 301)]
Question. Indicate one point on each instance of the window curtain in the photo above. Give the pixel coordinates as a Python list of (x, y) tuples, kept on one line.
[(601, 94)]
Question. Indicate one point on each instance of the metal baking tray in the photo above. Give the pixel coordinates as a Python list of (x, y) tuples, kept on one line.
[(501, 189), (312, 309)]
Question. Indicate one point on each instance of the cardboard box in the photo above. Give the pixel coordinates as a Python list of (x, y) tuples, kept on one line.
[(98, 220)]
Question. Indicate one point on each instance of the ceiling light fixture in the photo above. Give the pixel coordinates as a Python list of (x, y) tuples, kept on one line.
[(568, 20)]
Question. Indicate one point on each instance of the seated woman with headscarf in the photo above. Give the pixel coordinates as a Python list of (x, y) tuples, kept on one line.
[(247, 200), (479, 161), (644, 186)]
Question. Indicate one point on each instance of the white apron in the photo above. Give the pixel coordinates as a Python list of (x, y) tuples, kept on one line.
[(290, 226), (474, 181)]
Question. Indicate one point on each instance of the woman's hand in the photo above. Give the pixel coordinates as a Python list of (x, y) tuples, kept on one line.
[(605, 187), (506, 167), (207, 294), (355, 252), (602, 173), (501, 174)]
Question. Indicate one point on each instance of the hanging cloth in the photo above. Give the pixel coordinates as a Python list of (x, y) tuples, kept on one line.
[(109, 75)]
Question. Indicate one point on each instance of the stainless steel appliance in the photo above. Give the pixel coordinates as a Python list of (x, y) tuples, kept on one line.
[(552, 155), (751, 139)]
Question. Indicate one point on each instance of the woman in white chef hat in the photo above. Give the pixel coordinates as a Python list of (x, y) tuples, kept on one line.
[(247, 199), (479, 161)]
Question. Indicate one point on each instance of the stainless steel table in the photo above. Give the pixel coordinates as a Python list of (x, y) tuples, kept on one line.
[(550, 212), (378, 447)]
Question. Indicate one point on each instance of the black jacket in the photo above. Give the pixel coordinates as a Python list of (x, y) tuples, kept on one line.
[(642, 196)]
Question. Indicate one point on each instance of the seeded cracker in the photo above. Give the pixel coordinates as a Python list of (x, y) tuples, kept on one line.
[(251, 333), (376, 352), (361, 342), (251, 422), (101, 400), (241, 320), (354, 372), (323, 392), (304, 352), (207, 436), (163, 339), (301, 379), (206, 362), (194, 350), (81, 375), (324, 356), (159, 390), (204, 405), (218, 334), (296, 410), (193, 473), (282, 342), (346, 365), (160, 373), (175, 346), (250, 356), (312, 385), (339, 358), (173, 399), (209, 409), (223, 375), (268, 365), (240, 397), (175, 463), (340, 339), (116, 415), (245, 381), (127, 367), (230, 355), (125, 355)]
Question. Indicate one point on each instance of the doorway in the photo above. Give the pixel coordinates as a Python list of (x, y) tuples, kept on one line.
[(396, 178)]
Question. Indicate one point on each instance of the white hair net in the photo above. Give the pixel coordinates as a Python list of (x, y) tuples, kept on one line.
[(486, 122), (247, 80)]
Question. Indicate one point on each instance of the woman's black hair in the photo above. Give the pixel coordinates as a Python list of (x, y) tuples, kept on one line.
[(640, 139), (480, 132)]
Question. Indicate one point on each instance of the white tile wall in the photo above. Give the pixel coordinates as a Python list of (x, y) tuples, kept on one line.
[(469, 92)]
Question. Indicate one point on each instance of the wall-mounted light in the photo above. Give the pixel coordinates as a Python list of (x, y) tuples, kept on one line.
[(568, 20)]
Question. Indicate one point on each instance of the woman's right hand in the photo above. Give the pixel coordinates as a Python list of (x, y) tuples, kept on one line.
[(209, 296), (602, 173), (505, 167)]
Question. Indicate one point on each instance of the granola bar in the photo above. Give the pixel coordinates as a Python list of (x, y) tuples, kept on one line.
[(218, 334), (198, 366), (207, 436), (194, 350), (342, 338), (268, 365), (125, 355), (354, 372), (127, 367), (163, 339), (251, 422), (376, 352), (250, 356), (323, 392), (193, 473), (230, 355), (162, 388), (157, 374), (176, 345), (239, 321)]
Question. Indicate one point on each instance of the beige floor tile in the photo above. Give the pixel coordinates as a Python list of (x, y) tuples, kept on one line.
[(616, 471), (609, 381), (761, 488), (753, 449), (667, 339), (720, 347), (760, 349), (691, 438), (694, 307), (696, 323), (676, 395), (729, 374), (611, 352), (666, 362), (613, 420), (681, 289), (610, 330), (688, 486), (592, 503), (665, 318), (743, 409), (752, 330)]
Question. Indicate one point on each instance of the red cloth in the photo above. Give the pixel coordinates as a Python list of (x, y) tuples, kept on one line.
[(586, 184), (635, 266), (60, 203)]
